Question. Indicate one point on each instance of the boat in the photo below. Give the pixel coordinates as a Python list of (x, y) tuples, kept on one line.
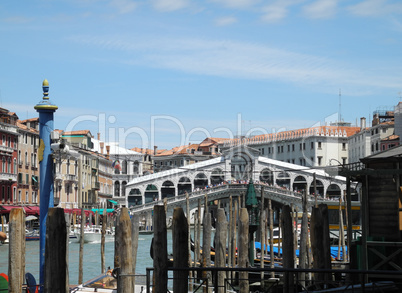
[(94, 235), (106, 282)]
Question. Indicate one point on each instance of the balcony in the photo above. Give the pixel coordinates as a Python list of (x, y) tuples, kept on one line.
[(8, 177), (6, 149), (58, 176), (96, 185), (71, 178)]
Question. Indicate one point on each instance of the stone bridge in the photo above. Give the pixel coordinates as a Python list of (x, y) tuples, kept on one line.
[(283, 181)]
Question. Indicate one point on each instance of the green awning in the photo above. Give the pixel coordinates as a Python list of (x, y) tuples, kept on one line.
[(113, 202), (100, 211)]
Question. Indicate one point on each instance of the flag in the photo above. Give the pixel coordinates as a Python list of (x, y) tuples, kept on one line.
[(116, 165)]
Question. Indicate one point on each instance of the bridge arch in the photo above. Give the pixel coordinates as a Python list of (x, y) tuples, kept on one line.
[(200, 180), (134, 197), (151, 193), (217, 176), (334, 191), (267, 176), (319, 187), (168, 189), (184, 185), (283, 179), (299, 183)]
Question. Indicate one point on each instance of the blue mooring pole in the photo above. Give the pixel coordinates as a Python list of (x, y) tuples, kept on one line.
[(46, 110)]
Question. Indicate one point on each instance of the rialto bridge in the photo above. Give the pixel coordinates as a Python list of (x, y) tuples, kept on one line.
[(236, 166)]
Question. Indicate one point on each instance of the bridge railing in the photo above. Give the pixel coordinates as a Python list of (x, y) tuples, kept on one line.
[(216, 189)]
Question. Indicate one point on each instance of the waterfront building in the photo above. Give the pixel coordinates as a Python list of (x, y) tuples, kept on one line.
[(311, 147), (127, 165), (28, 165), (8, 156), (148, 162), (188, 154), (371, 140)]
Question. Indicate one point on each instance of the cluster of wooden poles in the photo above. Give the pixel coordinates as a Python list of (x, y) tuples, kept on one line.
[(230, 251)]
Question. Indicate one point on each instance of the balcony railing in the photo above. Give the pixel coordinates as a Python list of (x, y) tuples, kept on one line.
[(72, 178), (96, 185), (58, 176), (7, 149), (8, 177)]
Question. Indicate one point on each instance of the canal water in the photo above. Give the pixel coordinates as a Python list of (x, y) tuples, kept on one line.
[(92, 257)]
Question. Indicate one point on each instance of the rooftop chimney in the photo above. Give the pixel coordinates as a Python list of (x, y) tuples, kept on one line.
[(155, 148), (107, 151), (98, 135), (101, 144), (362, 123)]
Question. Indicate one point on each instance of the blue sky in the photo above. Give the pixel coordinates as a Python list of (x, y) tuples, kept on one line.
[(168, 72)]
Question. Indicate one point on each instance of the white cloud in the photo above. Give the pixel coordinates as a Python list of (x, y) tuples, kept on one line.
[(376, 8), (223, 21), (16, 19), (169, 5), (124, 6), (275, 12), (321, 9), (242, 60), (237, 3)]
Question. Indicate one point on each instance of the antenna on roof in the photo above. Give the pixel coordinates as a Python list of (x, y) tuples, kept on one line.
[(340, 106)]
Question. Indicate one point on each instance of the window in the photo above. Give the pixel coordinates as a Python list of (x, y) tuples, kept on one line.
[(319, 161), (26, 159), (3, 165), (9, 166), (262, 151), (344, 146), (304, 145), (26, 179), (4, 140), (319, 145), (281, 148), (19, 196), (19, 157), (312, 144), (301, 147), (343, 161), (288, 147), (293, 147), (9, 142)]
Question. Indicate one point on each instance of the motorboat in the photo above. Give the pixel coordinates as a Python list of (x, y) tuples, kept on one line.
[(94, 235)]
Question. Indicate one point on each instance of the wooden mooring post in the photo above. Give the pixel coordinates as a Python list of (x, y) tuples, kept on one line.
[(287, 248), (16, 248), (55, 253), (125, 254), (243, 258), (320, 242), (160, 255), (180, 251), (220, 248)]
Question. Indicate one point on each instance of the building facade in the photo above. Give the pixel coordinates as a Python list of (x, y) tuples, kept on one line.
[(28, 165), (310, 147), (8, 156)]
